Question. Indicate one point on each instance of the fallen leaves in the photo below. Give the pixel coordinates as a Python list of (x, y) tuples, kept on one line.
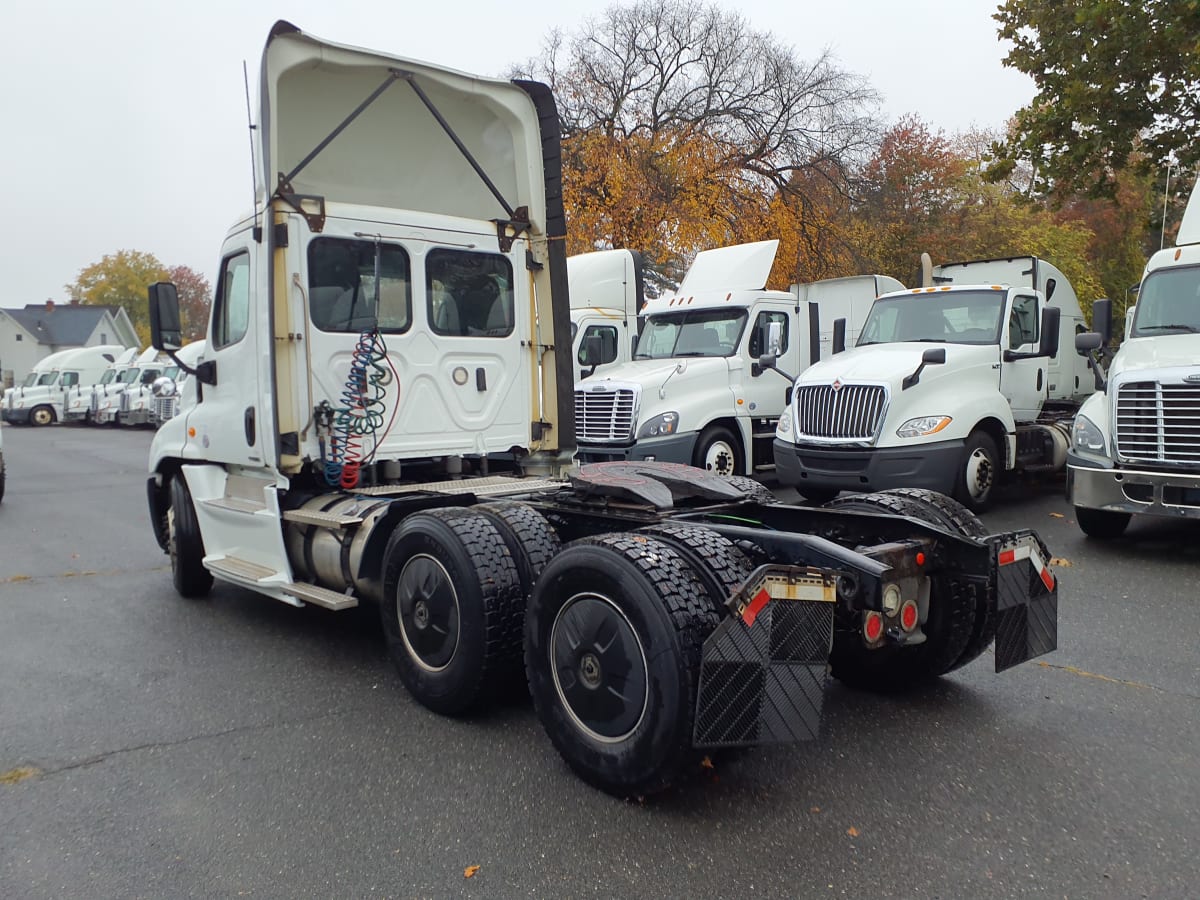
[(19, 774), (470, 871), (1057, 516), (852, 831), (1061, 563), (707, 763)]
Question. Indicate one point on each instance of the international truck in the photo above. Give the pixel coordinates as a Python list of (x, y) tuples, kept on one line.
[(43, 401), (1135, 447), (694, 392), (77, 401), (607, 292), (950, 387), (360, 433)]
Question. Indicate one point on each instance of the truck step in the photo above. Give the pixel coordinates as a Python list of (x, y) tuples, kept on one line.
[(489, 486), (241, 569), (237, 504), (332, 521), (311, 593)]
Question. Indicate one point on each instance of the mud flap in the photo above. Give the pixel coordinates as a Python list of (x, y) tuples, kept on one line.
[(762, 675), (1025, 592)]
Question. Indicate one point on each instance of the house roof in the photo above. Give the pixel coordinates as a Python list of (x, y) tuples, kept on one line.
[(65, 325)]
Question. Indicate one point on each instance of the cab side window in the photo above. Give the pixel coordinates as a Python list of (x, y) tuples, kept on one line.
[(1023, 322), (760, 336), (231, 313), (604, 338), (469, 293)]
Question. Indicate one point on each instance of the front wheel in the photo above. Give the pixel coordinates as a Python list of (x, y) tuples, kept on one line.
[(41, 415), (978, 471), (1101, 524), (185, 545), (717, 452)]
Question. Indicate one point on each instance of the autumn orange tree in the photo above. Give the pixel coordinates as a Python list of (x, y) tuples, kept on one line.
[(683, 128)]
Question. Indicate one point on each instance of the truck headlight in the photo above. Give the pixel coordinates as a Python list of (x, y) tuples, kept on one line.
[(923, 425), (784, 426), (1087, 436), (666, 423)]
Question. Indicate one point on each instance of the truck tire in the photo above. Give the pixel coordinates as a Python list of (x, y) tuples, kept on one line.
[(613, 641), (452, 608), (713, 557), (957, 518), (1102, 524), (41, 415), (185, 544), (1, 481), (717, 452), (528, 536), (754, 490), (948, 628), (978, 469)]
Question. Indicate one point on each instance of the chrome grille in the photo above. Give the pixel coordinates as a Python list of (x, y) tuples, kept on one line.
[(164, 408), (1158, 422), (95, 401), (604, 415), (850, 413), (124, 401)]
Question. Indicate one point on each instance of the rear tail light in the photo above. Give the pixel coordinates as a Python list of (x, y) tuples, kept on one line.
[(872, 626)]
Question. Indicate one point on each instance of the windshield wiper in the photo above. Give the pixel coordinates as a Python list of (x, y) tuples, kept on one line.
[(691, 353), (1188, 329)]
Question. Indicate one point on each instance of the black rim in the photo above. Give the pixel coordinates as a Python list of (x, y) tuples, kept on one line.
[(599, 667), (427, 608)]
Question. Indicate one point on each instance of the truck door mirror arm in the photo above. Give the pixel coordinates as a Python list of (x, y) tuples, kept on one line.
[(166, 333), (768, 361), (932, 357)]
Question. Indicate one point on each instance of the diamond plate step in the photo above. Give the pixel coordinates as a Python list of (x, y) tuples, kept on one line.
[(239, 568), (494, 485), (321, 519), (311, 593)]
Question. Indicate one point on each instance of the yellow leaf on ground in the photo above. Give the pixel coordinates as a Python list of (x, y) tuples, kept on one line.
[(706, 763), (814, 810), (1057, 516), (1061, 563), (469, 871), (12, 776), (852, 831)]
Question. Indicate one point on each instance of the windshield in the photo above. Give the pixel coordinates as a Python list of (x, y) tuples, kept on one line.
[(48, 378), (109, 375), (148, 375), (30, 380), (128, 376), (951, 317), (70, 379), (702, 332), (172, 372), (1169, 303)]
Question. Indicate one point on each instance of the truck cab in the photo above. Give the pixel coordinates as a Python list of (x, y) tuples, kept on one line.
[(1136, 445), (607, 293), (112, 400), (44, 401), (77, 401), (948, 387)]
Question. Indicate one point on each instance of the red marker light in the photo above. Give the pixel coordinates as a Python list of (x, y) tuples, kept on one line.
[(908, 616), (873, 627), (920, 558)]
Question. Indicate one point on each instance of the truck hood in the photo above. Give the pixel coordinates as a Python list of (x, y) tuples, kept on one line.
[(892, 363), (1159, 352), (651, 373), (310, 87)]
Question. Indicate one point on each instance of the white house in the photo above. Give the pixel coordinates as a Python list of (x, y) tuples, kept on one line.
[(29, 335)]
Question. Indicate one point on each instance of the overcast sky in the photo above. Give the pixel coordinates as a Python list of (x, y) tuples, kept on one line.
[(124, 122)]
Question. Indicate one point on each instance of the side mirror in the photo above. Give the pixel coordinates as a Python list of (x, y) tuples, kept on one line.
[(774, 338), (1087, 342), (166, 333), (591, 352), (839, 335), (1102, 320), (1048, 346), (935, 356)]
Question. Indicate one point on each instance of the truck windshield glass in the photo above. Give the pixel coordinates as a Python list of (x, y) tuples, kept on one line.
[(128, 376), (469, 294), (1169, 303), (109, 375), (148, 375), (30, 380), (701, 332), (48, 378), (950, 317), (342, 285)]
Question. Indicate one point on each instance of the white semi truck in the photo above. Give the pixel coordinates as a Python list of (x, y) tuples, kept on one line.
[(383, 414), (170, 386), (1136, 444), (694, 392), (126, 396), (949, 387), (44, 401), (77, 401), (607, 293)]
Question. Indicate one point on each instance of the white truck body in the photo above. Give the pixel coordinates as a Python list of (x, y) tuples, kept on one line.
[(1136, 445), (78, 400), (878, 417), (712, 405), (607, 293), (167, 391), (112, 402), (844, 298), (43, 402)]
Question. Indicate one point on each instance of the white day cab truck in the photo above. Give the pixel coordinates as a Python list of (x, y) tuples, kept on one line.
[(170, 386), (123, 401), (77, 401), (158, 380), (360, 433), (42, 399), (950, 387), (695, 392), (1136, 448), (607, 293)]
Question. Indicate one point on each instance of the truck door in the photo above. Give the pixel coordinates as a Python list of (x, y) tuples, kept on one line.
[(765, 394), (1023, 382), (229, 421)]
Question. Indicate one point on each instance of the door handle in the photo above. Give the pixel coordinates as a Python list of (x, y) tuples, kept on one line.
[(248, 424)]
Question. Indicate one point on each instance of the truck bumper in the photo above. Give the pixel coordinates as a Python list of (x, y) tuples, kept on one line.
[(677, 448), (933, 466), (135, 417), (16, 416), (1093, 485)]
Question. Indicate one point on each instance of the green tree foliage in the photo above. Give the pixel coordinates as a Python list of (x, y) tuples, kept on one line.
[(121, 279), (1118, 87)]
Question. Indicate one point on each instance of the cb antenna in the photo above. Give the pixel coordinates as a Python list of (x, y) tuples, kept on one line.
[(253, 169)]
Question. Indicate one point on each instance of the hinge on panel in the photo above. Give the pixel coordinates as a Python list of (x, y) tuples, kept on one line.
[(310, 206), (539, 429), (518, 224)]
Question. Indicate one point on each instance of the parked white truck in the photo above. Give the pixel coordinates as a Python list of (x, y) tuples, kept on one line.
[(949, 387), (43, 402), (694, 392), (77, 401), (607, 293), (1136, 447), (169, 387), (846, 299), (383, 414), (117, 400)]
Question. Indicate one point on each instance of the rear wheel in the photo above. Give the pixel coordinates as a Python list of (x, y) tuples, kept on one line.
[(528, 536), (1102, 524), (717, 452), (613, 639), (452, 608), (948, 627), (41, 415), (185, 545)]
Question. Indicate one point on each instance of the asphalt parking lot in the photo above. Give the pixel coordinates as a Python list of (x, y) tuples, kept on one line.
[(157, 747)]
